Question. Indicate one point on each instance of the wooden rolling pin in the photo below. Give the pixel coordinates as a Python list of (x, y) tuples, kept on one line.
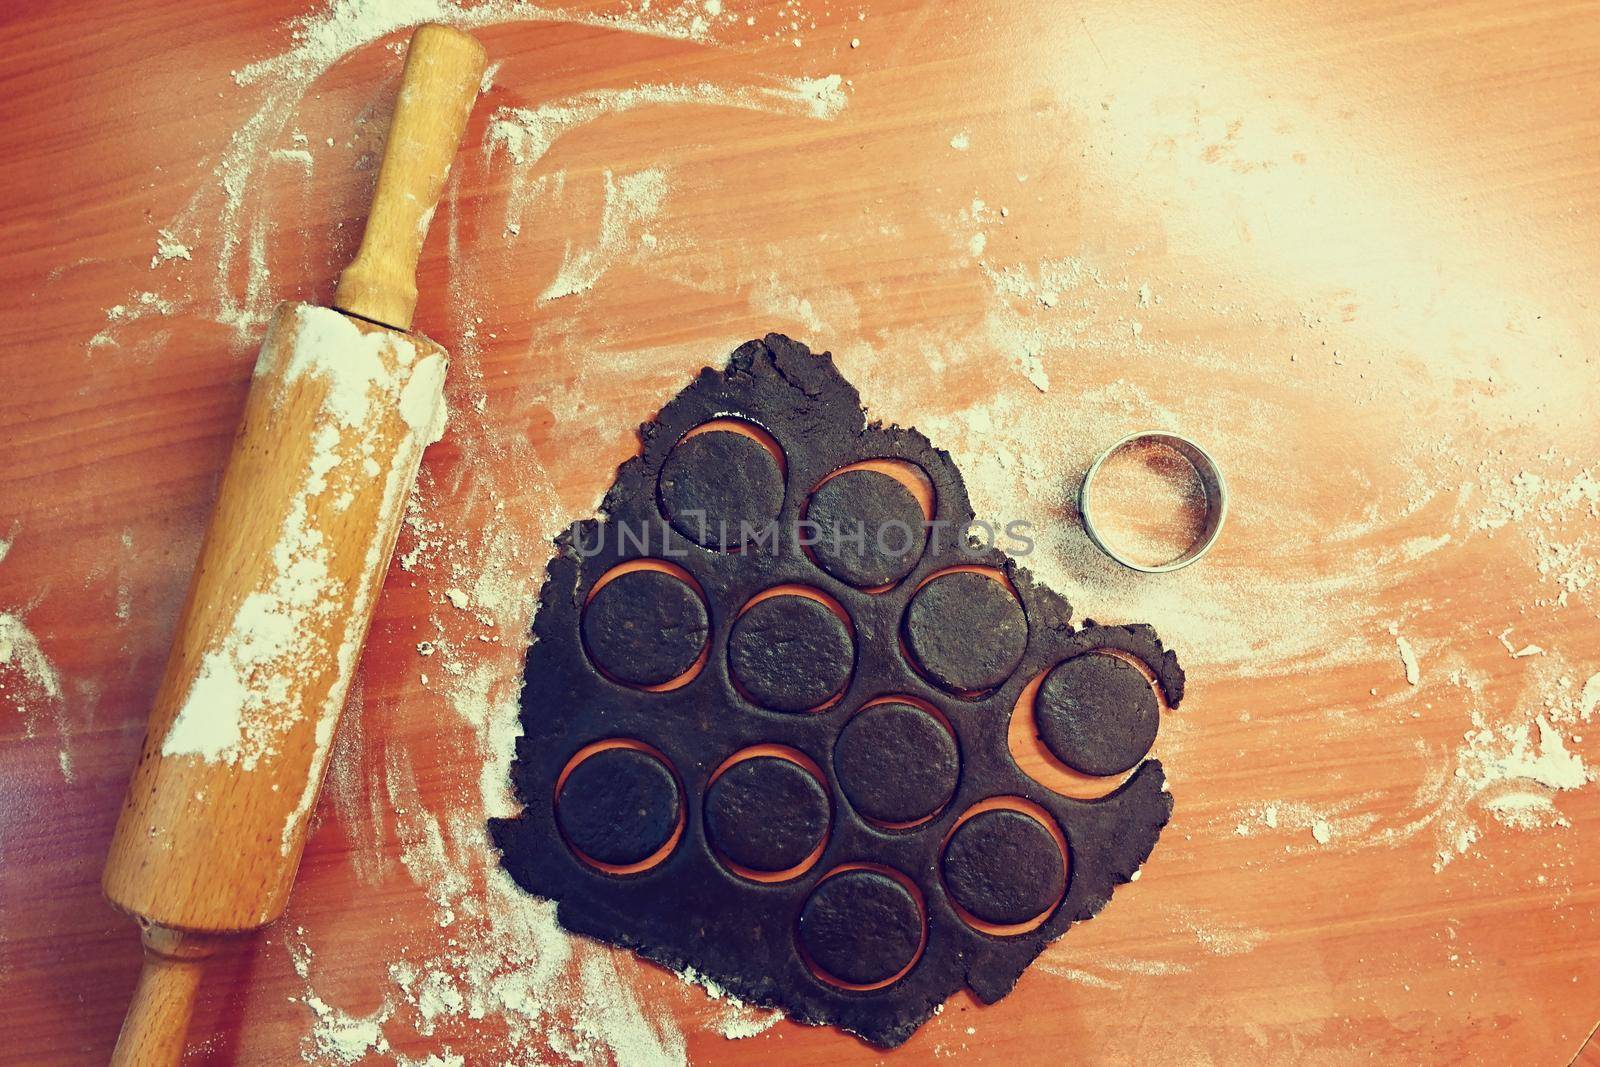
[(341, 405)]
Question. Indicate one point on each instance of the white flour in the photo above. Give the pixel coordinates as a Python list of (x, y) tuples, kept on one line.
[(740, 1020), (1558, 513), (631, 201), (1590, 698), (524, 135), (139, 305), (30, 682), (249, 687), (1104, 967), (169, 248), (33, 677), (1408, 659), (1512, 772), (336, 1036)]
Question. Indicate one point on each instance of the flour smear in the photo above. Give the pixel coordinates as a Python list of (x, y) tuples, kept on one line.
[(34, 681), (30, 681), (251, 683)]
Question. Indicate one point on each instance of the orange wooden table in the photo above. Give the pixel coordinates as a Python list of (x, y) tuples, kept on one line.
[(1350, 248)]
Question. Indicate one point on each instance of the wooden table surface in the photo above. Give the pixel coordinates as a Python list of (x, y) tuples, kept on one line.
[(1350, 247)]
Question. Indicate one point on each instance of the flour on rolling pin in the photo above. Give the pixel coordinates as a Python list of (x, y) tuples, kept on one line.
[(251, 685)]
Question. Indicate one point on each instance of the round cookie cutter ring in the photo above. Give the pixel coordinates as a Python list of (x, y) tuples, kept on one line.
[(1211, 482)]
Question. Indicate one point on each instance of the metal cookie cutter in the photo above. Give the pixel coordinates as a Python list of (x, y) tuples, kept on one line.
[(1211, 481)]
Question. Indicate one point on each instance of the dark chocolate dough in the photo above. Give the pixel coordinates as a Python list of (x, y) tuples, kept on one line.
[(967, 631), (1003, 867), (896, 763), (790, 652), (868, 528), (691, 909), (1097, 713), (860, 927), (618, 806), (645, 627), (715, 482), (766, 813)]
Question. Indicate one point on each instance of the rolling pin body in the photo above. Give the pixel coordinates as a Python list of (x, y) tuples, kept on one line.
[(305, 521)]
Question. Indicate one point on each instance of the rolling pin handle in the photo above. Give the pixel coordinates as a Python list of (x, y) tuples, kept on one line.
[(440, 83), (158, 1019)]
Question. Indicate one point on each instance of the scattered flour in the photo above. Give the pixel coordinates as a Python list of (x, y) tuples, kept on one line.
[(336, 1036), (138, 306), (1080, 975), (1526, 811), (30, 682), (169, 248), (1086, 968), (251, 686), (1556, 512), (35, 676), (1512, 765), (525, 134), (1589, 700), (631, 202), (487, 81), (1542, 759), (1325, 824), (740, 1020), (1513, 771), (1408, 658), (1514, 651)]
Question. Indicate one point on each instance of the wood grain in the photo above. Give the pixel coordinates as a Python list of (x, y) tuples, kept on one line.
[(156, 1029), (443, 67), (1368, 237)]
